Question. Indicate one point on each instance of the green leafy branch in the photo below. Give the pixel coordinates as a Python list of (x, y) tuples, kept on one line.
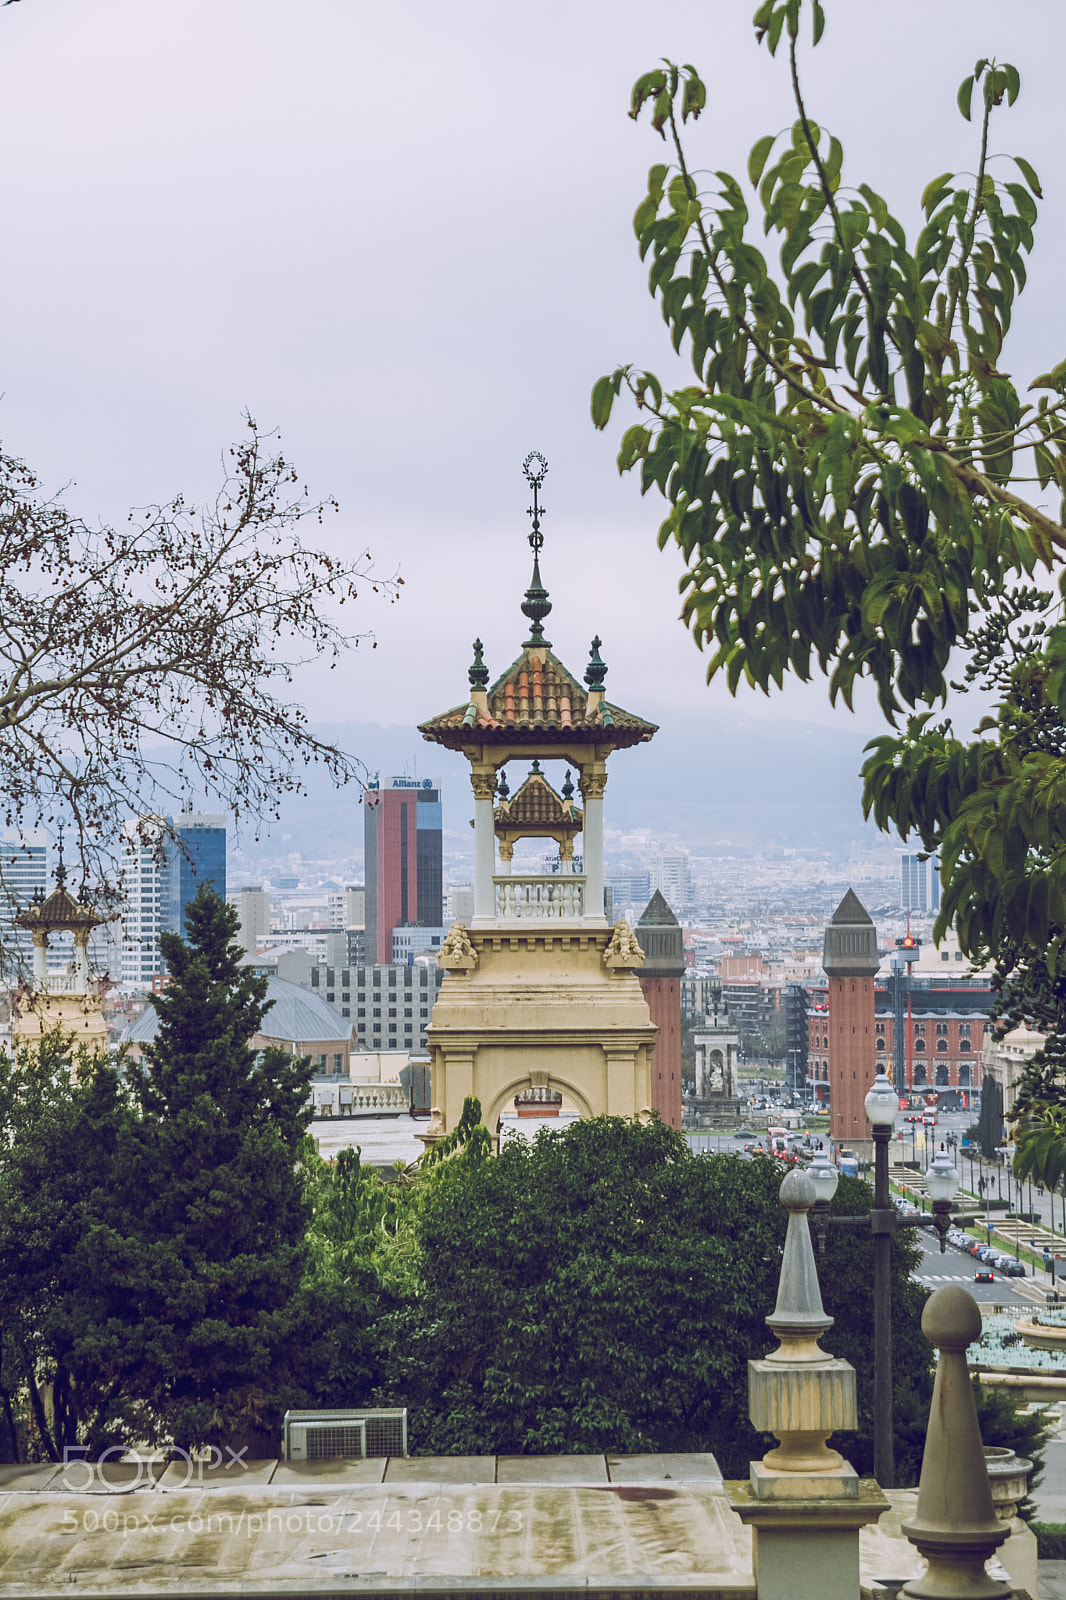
[(855, 483), (840, 476)]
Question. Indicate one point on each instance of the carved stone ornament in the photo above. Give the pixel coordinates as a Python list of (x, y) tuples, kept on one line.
[(483, 785), (457, 953), (622, 952), (592, 785)]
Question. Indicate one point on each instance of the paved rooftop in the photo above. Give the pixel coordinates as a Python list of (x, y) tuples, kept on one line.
[(592, 1525), (382, 1140)]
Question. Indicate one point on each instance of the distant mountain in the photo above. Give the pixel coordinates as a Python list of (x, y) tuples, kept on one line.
[(709, 779)]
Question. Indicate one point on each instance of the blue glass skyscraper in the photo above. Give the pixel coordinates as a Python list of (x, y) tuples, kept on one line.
[(200, 859)]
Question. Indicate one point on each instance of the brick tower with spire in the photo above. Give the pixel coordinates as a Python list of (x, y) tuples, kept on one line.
[(850, 960), (659, 936)]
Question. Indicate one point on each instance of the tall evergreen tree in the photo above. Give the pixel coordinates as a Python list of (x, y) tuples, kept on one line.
[(64, 1117), (990, 1120), (210, 1240)]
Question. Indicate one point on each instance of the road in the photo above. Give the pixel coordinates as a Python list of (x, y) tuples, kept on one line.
[(997, 1177), (934, 1270)]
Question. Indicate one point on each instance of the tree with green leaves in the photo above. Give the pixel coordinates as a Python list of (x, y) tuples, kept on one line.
[(63, 1119), (855, 482), (603, 1289), (364, 1257)]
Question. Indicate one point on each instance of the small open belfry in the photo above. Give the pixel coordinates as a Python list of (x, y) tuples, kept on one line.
[(540, 992), (68, 1002)]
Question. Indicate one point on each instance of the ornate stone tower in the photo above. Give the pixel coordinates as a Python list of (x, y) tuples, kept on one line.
[(715, 1102), (69, 1001), (850, 961), (540, 993), (659, 936)]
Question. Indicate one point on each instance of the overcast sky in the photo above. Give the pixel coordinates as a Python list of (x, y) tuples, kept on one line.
[(401, 233)]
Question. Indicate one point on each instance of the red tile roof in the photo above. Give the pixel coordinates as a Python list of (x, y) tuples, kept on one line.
[(537, 699)]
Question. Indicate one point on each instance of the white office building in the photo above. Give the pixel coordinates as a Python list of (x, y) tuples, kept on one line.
[(252, 905), (919, 884), (410, 942), (668, 871), (459, 903), (145, 902), (23, 871)]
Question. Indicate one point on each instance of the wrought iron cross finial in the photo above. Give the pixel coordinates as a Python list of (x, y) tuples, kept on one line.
[(536, 510)]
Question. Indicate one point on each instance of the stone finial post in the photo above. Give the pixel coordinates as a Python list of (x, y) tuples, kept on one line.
[(955, 1526), (804, 1502), (798, 1392)]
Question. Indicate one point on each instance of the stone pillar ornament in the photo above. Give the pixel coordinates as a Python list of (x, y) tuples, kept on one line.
[(40, 955), (484, 787), (593, 783), (798, 1392), (803, 1501), (955, 1526)]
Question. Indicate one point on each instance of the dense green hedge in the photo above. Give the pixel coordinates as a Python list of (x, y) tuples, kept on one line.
[(1050, 1540)]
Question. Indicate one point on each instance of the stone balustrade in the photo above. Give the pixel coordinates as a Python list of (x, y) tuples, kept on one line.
[(542, 897), (359, 1099), (61, 983)]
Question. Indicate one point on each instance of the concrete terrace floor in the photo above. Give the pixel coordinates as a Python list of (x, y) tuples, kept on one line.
[(404, 1527)]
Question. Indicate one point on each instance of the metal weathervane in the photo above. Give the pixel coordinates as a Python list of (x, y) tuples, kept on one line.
[(536, 510)]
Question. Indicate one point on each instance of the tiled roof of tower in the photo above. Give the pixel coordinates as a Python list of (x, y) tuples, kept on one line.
[(536, 805), (537, 699), (60, 910)]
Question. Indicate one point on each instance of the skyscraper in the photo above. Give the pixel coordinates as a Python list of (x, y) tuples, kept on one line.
[(252, 904), (669, 873), (23, 869), (158, 885), (914, 878), (919, 883), (403, 861), (145, 882), (198, 857)]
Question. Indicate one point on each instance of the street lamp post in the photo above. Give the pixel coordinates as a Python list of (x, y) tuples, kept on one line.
[(881, 1104)]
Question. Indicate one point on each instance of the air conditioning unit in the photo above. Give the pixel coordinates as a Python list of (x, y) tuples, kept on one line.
[(366, 1431)]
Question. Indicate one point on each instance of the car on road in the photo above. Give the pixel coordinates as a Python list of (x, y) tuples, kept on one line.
[(1010, 1268), (928, 1119), (984, 1275)]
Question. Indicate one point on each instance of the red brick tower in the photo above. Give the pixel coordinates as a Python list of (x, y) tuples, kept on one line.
[(659, 936), (850, 961)]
